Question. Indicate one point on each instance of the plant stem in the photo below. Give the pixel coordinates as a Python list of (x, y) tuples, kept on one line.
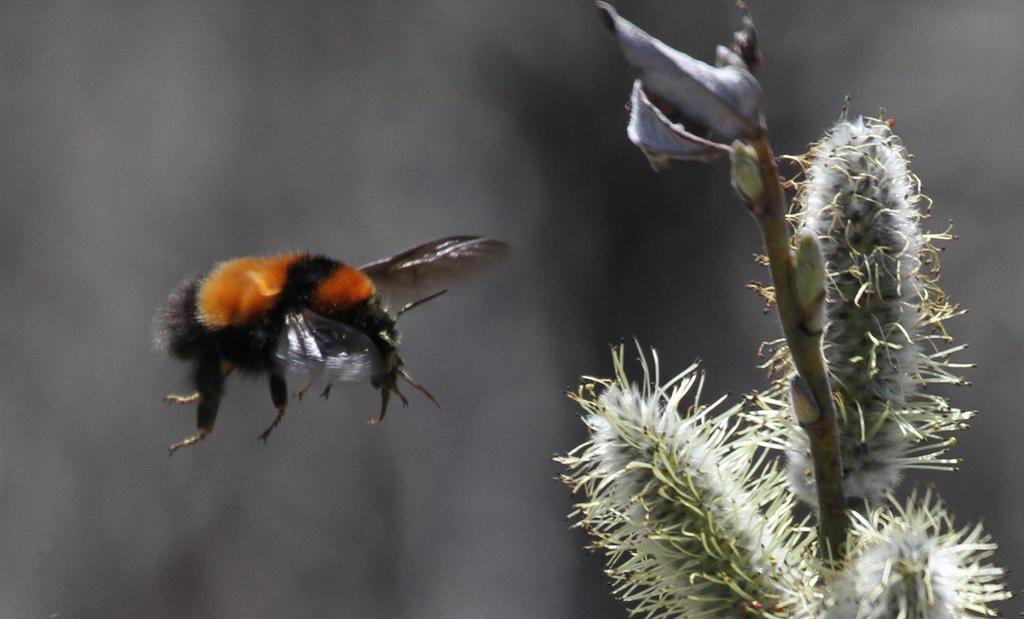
[(805, 350)]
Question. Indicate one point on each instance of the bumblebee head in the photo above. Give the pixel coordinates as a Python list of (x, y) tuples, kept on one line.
[(392, 367)]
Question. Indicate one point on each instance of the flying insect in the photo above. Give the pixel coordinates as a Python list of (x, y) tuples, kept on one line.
[(307, 315)]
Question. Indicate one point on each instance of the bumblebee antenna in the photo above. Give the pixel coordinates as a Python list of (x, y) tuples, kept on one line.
[(409, 306)]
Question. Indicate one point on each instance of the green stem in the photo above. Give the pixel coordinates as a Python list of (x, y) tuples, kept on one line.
[(805, 349)]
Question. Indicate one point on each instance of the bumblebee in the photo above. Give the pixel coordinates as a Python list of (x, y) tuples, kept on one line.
[(308, 315)]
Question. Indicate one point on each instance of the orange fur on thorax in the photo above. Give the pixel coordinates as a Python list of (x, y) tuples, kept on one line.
[(241, 290), (341, 290)]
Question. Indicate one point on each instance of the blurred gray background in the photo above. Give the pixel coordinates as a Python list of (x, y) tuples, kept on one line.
[(144, 141)]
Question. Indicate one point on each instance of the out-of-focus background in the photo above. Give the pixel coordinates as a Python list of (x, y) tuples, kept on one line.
[(141, 142)]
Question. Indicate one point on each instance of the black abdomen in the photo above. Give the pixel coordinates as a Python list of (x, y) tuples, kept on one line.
[(177, 328)]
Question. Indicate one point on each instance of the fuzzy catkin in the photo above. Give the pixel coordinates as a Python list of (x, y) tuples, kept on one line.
[(912, 562), (864, 205), (694, 521), (861, 201)]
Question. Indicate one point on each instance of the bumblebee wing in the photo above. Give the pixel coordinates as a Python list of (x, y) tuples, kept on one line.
[(312, 345), (348, 353), (297, 351), (433, 266)]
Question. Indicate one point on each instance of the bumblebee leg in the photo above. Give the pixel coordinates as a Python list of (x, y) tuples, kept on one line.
[(385, 396), (279, 391), (277, 420), (182, 399), (209, 387), (192, 440), (301, 391), (279, 395), (326, 393)]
